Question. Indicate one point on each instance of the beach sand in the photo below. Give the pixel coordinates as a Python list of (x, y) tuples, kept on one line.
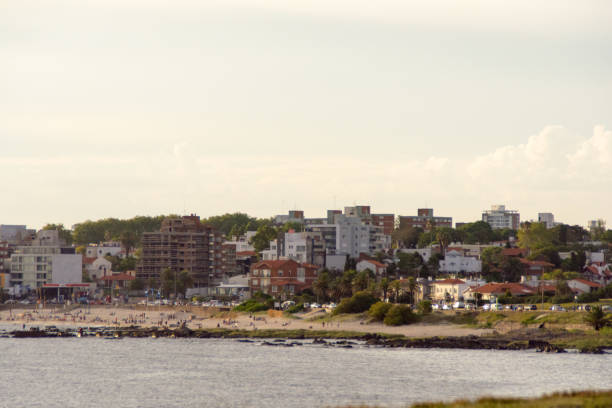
[(198, 317)]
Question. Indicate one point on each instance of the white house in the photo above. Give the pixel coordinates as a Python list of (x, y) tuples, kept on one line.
[(455, 262), (583, 285), (98, 267), (377, 267)]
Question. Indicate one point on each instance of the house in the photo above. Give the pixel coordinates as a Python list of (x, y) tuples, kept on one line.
[(117, 281), (378, 268), (491, 291), (447, 289), (583, 286), (97, 267), (454, 262), (598, 272), (515, 252), (235, 286), (536, 267), (276, 277)]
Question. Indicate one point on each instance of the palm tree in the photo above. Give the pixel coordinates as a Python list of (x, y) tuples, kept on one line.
[(384, 287), (597, 318), (412, 285), (396, 286), (321, 286)]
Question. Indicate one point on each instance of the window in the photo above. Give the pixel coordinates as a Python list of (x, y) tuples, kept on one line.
[(274, 288), (280, 272), (301, 274)]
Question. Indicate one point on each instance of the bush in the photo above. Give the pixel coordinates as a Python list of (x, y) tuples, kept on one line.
[(424, 307), (296, 308), (562, 299), (358, 303), (378, 310), (398, 315), (254, 305)]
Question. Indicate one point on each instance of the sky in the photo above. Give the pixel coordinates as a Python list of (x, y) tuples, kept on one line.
[(118, 108)]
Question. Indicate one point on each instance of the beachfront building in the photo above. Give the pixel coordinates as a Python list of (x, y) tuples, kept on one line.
[(103, 249), (281, 277), (182, 244), (45, 261), (447, 289), (455, 262)]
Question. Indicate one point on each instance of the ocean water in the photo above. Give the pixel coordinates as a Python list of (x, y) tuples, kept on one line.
[(96, 372)]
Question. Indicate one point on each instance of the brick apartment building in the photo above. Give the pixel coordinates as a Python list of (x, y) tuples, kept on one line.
[(424, 219), (385, 221), (281, 276), (182, 244)]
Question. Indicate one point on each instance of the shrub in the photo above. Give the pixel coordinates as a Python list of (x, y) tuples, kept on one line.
[(398, 315), (253, 305), (359, 302), (424, 307), (296, 308), (378, 310)]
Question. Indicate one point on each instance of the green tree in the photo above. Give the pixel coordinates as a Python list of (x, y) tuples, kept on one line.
[(424, 307), (362, 280), (265, 234), (478, 232), (407, 237), (412, 285), (512, 269), (384, 287), (535, 236), (597, 318), (410, 263), (128, 240), (321, 286), (398, 315), (137, 284), (396, 287)]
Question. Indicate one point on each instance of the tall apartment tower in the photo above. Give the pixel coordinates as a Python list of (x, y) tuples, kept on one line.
[(182, 244), (499, 218), (547, 218)]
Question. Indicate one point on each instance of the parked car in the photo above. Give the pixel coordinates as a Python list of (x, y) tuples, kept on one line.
[(531, 307), (458, 305), (557, 308), (435, 306), (486, 307), (497, 307), (446, 307)]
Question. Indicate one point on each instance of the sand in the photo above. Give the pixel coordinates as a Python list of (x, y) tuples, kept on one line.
[(198, 317)]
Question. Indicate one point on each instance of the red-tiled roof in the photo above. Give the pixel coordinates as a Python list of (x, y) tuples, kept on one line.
[(449, 282), (516, 289), (246, 253), (272, 264), (536, 263), (514, 251), (89, 260), (588, 283)]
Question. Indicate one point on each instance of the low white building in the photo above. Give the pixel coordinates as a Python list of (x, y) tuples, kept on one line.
[(454, 262), (103, 249), (377, 267), (583, 285), (98, 267)]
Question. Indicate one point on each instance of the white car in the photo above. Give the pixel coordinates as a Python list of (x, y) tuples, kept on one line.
[(446, 307), (458, 305), (435, 306), (486, 307)]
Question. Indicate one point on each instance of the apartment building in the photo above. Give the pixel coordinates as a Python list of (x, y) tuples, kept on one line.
[(281, 277), (182, 244), (425, 220), (500, 218)]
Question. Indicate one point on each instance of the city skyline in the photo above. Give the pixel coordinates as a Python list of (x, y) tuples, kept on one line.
[(117, 109)]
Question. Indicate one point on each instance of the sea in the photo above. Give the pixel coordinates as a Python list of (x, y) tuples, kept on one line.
[(164, 372)]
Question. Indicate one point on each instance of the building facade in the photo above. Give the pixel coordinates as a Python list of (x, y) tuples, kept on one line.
[(281, 277), (182, 244), (425, 220), (500, 218)]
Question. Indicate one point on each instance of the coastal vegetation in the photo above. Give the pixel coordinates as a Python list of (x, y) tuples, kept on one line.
[(576, 399)]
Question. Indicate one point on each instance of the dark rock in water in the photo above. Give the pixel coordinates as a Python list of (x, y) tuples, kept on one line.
[(319, 341), (183, 331), (279, 340), (245, 341)]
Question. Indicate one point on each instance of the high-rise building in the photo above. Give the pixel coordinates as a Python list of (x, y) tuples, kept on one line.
[(384, 221), (499, 218), (547, 218), (182, 244)]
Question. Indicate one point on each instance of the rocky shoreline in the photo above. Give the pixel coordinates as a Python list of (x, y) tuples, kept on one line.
[(524, 340)]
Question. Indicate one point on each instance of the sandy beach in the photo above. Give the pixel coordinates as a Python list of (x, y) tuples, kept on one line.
[(197, 317)]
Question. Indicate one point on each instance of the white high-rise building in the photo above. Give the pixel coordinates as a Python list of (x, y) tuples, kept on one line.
[(499, 218), (547, 218)]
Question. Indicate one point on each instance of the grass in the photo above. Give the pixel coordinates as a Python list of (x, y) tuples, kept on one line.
[(582, 399), (586, 340)]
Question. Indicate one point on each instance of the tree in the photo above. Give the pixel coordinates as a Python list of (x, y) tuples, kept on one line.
[(185, 281), (128, 240), (362, 280), (412, 285), (63, 233), (384, 287), (261, 240), (137, 284), (407, 237), (321, 286), (512, 269), (535, 236), (410, 263), (396, 287), (433, 264), (597, 318), (478, 232)]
